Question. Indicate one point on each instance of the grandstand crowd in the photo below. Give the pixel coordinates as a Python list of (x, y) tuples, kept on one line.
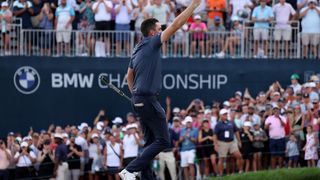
[(276, 20), (278, 128)]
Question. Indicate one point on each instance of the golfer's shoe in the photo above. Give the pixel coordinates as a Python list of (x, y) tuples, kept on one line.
[(126, 175)]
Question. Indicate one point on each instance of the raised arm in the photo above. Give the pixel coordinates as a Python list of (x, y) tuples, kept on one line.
[(179, 21)]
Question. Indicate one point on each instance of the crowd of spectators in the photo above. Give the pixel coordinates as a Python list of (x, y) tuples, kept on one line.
[(279, 128), (212, 16)]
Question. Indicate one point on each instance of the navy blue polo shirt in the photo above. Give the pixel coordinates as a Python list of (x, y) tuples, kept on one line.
[(26, 16), (225, 131), (61, 153), (146, 64)]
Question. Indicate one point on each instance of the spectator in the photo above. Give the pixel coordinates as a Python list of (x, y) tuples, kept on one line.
[(310, 24), (198, 29), (215, 39), (46, 160), (6, 19), (74, 154), (167, 159), (295, 83), (139, 15), (23, 9), (131, 143), (262, 16), (25, 159), (5, 156), (298, 124), (82, 141), (63, 25), (102, 16), (86, 23), (216, 8), (234, 39), (207, 149), (246, 137), (259, 138), (160, 11), (46, 23), (188, 140), (292, 151), (251, 116), (275, 125), (95, 150), (35, 21), (224, 142), (113, 157), (311, 152), (283, 13), (179, 41), (237, 5), (61, 167), (301, 4), (123, 18)]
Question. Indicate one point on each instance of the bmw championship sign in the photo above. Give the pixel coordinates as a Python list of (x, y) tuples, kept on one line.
[(26, 80)]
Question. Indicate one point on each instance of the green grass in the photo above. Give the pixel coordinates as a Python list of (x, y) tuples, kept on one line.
[(280, 174)]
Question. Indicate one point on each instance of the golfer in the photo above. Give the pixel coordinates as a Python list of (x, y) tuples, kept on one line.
[(145, 81)]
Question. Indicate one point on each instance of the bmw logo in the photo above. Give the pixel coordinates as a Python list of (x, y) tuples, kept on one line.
[(26, 80)]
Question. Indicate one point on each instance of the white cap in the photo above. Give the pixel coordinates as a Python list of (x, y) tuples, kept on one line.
[(312, 84), (27, 138), (65, 135), (226, 103), (223, 111), (235, 18), (247, 123), (124, 129), (314, 78), (315, 1), (24, 144), (276, 93), (82, 125), (187, 119), (238, 93), (94, 135), (197, 16), (5, 3), (58, 136), (176, 110), (100, 125), (117, 120), (207, 111), (129, 126)]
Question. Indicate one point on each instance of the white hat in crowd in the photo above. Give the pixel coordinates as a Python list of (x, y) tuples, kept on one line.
[(176, 110), (27, 138), (4, 4), (57, 135), (197, 17), (100, 125), (226, 103), (94, 135), (314, 1), (207, 111), (65, 135), (133, 125), (239, 93), (187, 120), (247, 123), (18, 139), (223, 111), (24, 144), (83, 125), (117, 120)]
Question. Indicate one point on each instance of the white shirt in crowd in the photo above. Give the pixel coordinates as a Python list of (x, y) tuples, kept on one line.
[(240, 5), (93, 151), (102, 14), (255, 119), (24, 161), (123, 17), (296, 88), (82, 142), (113, 160), (130, 146), (159, 12)]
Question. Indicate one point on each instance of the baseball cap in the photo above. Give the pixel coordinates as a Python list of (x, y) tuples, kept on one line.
[(314, 1), (4, 4), (217, 19), (207, 111), (306, 95), (130, 114), (197, 17), (11, 134), (314, 78), (117, 120), (235, 18), (239, 93), (24, 144), (187, 119), (58, 136), (276, 93), (205, 120), (226, 103), (275, 107), (65, 135), (83, 125), (223, 111), (94, 135), (129, 126), (176, 110), (295, 76), (176, 118), (232, 100)]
